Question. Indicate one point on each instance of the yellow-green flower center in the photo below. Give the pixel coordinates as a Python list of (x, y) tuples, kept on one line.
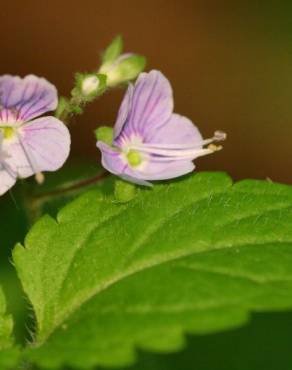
[(134, 158), (8, 132)]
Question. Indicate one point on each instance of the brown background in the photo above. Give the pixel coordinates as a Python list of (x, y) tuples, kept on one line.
[(229, 62)]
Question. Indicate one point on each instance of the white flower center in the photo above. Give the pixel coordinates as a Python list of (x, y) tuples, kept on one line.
[(135, 158)]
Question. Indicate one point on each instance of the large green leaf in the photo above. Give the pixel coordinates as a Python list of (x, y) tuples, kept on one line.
[(193, 256), (8, 354)]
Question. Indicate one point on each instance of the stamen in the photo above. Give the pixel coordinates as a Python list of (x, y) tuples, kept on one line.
[(182, 157), (218, 136), (215, 148), (173, 152)]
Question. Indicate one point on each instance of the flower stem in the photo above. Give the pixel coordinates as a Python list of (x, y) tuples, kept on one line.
[(74, 187)]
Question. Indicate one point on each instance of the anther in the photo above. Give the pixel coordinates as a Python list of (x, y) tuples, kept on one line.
[(214, 148), (220, 136)]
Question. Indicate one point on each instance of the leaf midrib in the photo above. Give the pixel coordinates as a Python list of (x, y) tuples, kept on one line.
[(118, 278)]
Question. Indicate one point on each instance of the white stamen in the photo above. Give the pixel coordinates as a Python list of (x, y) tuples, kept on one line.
[(195, 154), (175, 152), (218, 136)]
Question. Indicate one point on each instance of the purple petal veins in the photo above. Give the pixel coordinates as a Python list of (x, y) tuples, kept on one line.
[(30, 145), (150, 141)]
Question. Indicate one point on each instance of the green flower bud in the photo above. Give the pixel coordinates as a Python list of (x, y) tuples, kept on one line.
[(126, 68), (120, 68)]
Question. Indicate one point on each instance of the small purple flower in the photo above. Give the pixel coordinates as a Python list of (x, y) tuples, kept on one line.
[(29, 145), (150, 141)]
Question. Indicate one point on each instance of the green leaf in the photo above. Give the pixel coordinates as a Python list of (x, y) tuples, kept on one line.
[(8, 354), (193, 256), (13, 227), (6, 324), (112, 52)]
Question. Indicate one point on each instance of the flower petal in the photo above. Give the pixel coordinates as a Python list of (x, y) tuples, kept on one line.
[(152, 105), (162, 171), (113, 162), (124, 110), (111, 159), (27, 97), (177, 130), (42, 145), (7, 180)]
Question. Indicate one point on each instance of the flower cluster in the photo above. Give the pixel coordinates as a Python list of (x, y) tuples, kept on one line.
[(150, 142)]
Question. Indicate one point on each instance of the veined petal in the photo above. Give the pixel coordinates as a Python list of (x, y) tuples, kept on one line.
[(162, 170), (27, 97), (111, 159), (152, 105), (124, 110), (151, 170), (41, 145), (177, 130), (7, 179)]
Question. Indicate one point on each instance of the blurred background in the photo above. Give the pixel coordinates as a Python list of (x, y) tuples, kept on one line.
[(229, 63)]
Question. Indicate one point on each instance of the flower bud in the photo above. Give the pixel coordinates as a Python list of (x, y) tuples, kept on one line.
[(120, 68), (89, 86), (125, 68)]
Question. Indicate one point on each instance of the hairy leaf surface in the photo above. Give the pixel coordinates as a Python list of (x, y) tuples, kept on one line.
[(193, 256)]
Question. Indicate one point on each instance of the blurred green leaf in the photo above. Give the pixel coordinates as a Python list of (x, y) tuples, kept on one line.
[(8, 353), (6, 324), (13, 227), (194, 256), (265, 343)]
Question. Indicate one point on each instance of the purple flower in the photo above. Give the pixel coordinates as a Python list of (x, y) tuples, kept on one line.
[(29, 145), (150, 141)]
